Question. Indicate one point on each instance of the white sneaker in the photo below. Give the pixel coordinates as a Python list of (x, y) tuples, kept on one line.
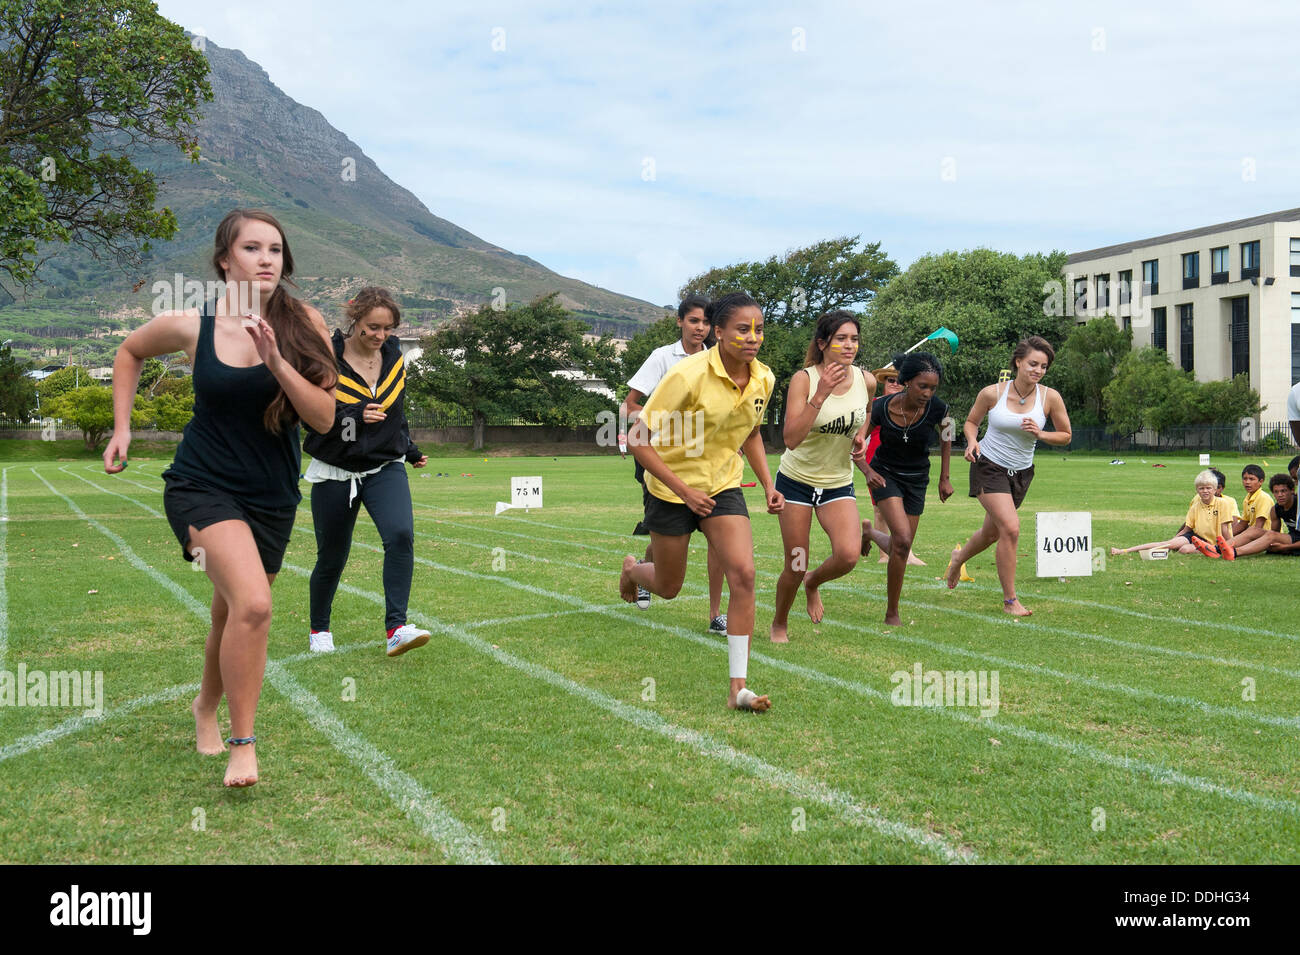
[(322, 641), (406, 637)]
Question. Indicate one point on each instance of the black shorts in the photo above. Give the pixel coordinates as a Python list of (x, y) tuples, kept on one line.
[(189, 503), (666, 517), (987, 477), (639, 474), (910, 487)]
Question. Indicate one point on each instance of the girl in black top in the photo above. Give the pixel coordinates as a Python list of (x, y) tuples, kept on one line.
[(261, 361), (362, 460), (899, 473)]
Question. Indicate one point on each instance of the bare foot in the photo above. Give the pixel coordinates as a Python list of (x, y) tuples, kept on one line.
[(815, 609), (1015, 608), (893, 620), (953, 574), (626, 585), (779, 633), (241, 771), (914, 561), (866, 538), (206, 732), (746, 699)]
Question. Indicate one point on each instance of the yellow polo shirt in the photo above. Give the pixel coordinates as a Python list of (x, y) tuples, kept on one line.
[(1206, 520), (698, 419), (1257, 505)]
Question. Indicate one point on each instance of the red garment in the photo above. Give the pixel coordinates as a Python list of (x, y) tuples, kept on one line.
[(873, 442)]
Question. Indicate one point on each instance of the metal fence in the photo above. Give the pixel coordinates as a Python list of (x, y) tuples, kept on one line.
[(1249, 437)]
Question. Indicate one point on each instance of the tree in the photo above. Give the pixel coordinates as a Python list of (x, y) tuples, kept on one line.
[(501, 362), (90, 408), (990, 299), (793, 290), (170, 412), (1148, 391), (1227, 402), (1085, 364), (17, 391), (63, 380), (80, 85)]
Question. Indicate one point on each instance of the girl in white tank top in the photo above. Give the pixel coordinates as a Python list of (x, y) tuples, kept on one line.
[(1002, 465)]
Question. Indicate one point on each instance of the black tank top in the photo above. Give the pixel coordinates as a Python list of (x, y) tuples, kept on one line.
[(225, 444)]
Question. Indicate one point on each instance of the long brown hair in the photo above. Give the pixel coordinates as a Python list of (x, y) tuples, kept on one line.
[(1033, 343), (827, 326), (297, 338)]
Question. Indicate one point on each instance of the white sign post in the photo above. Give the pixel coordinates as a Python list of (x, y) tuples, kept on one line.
[(525, 492), (1064, 545)]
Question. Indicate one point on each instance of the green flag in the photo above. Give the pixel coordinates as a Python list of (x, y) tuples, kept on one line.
[(949, 336)]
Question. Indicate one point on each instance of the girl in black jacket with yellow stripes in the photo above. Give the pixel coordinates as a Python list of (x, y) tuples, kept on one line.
[(362, 460)]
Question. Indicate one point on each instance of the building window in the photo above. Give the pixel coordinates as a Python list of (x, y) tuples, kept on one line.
[(1295, 256), (1186, 338), (1160, 329), (1191, 270), (1219, 266), (1250, 260), (1125, 287), (1127, 322), (1081, 296), (1151, 276), (1103, 290), (1239, 336), (1295, 335)]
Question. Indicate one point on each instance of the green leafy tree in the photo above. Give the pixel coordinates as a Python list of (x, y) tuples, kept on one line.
[(90, 408), (63, 380), (502, 362), (171, 412), (1148, 391), (793, 290), (1085, 364), (990, 299), (81, 84), (1226, 402), (17, 391)]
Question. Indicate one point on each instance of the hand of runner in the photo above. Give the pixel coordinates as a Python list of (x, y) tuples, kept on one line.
[(424, 459), (699, 502), (832, 379), (373, 413), (873, 479), (945, 489), (775, 501), (973, 452)]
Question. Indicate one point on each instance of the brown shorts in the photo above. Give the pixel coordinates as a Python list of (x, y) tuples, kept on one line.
[(989, 478)]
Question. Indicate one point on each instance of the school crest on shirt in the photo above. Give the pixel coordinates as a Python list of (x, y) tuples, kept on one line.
[(758, 406)]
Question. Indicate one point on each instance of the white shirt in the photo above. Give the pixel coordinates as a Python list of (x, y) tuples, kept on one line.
[(1293, 404), (654, 368)]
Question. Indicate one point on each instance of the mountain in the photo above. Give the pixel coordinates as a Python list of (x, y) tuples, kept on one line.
[(347, 223)]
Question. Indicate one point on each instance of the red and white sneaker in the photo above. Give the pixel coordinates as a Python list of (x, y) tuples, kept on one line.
[(321, 641), (406, 637)]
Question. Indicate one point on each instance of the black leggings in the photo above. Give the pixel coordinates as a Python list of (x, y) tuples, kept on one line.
[(387, 497)]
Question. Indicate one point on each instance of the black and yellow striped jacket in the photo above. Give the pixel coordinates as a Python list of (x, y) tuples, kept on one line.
[(352, 444)]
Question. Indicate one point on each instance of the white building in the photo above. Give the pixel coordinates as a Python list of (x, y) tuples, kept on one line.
[(1221, 300)]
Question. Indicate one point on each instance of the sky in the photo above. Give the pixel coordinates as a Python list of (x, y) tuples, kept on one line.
[(633, 146)]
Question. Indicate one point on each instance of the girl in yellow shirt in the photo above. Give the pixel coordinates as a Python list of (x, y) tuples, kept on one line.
[(706, 407)]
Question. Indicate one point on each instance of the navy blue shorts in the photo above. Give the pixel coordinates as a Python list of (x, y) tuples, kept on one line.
[(805, 495)]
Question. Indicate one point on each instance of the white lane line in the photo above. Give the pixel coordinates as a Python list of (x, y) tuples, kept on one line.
[(814, 790), (419, 805), (4, 561), (1204, 624), (798, 786), (1001, 620), (1155, 771)]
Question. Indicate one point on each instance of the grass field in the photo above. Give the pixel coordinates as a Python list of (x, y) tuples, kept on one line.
[(549, 722)]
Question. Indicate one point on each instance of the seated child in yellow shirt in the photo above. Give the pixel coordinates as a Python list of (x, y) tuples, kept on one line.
[(1208, 519)]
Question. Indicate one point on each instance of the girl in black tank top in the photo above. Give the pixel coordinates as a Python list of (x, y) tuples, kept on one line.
[(232, 489)]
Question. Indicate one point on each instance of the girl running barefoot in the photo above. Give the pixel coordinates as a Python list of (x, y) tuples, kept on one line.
[(900, 471), (362, 460), (705, 408), (232, 489), (1208, 519), (826, 411), (696, 335), (1002, 465), (888, 380)]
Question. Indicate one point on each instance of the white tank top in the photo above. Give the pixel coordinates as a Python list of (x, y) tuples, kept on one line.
[(1005, 443)]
